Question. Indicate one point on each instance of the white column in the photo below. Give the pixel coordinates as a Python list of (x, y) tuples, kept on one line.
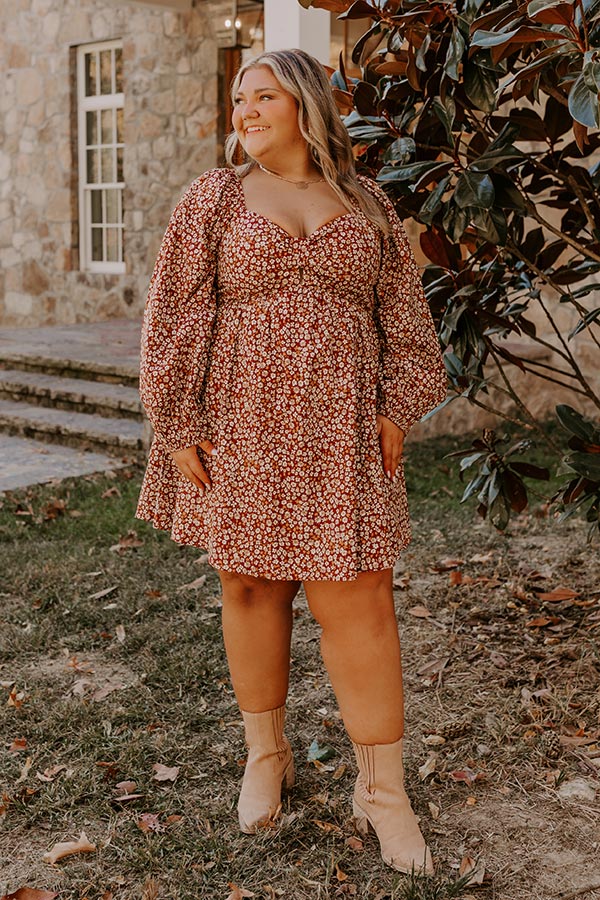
[(288, 25)]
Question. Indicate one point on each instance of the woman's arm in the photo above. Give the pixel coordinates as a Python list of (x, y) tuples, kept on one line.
[(179, 316)]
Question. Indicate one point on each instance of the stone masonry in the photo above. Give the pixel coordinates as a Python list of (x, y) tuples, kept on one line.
[(170, 87)]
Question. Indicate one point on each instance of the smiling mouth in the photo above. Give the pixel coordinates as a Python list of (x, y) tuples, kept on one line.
[(253, 129)]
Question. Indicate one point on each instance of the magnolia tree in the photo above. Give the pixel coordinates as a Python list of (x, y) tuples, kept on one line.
[(481, 120)]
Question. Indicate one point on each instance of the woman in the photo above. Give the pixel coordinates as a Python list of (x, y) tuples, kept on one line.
[(287, 350)]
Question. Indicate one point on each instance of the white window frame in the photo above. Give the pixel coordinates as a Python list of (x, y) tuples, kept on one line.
[(85, 104)]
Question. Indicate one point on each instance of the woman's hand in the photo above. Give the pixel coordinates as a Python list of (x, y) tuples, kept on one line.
[(188, 463), (391, 441)]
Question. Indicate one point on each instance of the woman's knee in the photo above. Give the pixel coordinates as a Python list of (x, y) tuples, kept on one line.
[(250, 590)]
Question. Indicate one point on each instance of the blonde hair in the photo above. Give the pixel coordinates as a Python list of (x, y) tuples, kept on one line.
[(320, 124)]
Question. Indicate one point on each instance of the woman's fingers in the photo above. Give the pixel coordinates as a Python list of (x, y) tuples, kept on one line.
[(391, 441), (189, 464)]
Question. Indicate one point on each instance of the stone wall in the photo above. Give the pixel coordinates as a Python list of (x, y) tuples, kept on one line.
[(170, 87)]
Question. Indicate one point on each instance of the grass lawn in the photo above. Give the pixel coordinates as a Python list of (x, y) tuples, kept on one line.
[(111, 663)]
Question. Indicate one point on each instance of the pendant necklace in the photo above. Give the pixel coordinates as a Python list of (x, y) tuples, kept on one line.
[(301, 185)]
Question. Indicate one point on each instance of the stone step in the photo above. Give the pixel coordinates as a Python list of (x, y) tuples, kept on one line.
[(30, 359), (73, 429), (71, 394)]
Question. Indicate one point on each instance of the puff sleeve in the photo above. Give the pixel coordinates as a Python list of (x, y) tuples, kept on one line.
[(412, 377), (179, 316)]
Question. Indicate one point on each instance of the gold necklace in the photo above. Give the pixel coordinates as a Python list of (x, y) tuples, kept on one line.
[(301, 185)]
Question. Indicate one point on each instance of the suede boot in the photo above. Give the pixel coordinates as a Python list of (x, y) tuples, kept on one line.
[(381, 801), (270, 764)]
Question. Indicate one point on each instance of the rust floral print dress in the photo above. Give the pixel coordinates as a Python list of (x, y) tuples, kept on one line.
[(281, 351)]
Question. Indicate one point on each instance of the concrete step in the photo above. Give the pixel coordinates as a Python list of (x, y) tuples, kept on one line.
[(73, 429), (96, 351), (71, 394), (29, 360)]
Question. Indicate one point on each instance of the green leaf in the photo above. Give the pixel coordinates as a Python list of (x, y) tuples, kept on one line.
[(480, 87), (455, 221), (491, 224), (496, 158), (434, 201), (410, 172), (573, 422), (454, 55), (583, 103), (586, 464), (400, 149), (474, 189), (446, 113), (315, 752)]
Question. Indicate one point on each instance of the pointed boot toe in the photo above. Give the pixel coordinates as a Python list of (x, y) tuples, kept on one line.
[(270, 766), (380, 801)]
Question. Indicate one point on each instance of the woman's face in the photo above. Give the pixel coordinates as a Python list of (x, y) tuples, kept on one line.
[(265, 116)]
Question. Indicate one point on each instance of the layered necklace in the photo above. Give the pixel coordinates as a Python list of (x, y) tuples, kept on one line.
[(301, 185)]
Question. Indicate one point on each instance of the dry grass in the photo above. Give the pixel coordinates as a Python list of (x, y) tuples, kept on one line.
[(109, 704)]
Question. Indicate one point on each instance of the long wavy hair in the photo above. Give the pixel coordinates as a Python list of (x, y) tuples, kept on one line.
[(320, 124)]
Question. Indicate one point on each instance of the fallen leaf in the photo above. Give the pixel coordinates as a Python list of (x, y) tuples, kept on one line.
[(111, 492), (50, 773), (18, 745), (444, 564), (238, 893), (474, 868), (24, 771), (434, 810), (69, 848), (120, 634), (16, 698), (104, 593), (355, 843), (558, 594), (27, 893), (149, 822), (164, 773), (468, 776), (434, 667), (327, 827), (429, 766), (421, 612), (402, 581), (482, 557), (341, 770), (542, 621), (193, 585), (123, 787), (128, 541), (339, 874)]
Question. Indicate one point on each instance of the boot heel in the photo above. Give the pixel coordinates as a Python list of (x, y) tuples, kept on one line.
[(360, 818)]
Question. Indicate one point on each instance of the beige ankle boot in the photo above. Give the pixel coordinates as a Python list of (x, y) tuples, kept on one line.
[(270, 764), (381, 801)]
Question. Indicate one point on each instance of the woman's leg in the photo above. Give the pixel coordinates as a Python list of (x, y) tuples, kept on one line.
[(257, 629), (361, 650)]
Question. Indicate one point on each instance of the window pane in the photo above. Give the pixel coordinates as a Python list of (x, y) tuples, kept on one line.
[(119, 70), (93, 176), (96, 206), (91, 69), (97, 244), (108, 166), (112, 206), (120, 126), (105, 72), (106, 122), (120, 164), (112, 244), (91, 127)]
